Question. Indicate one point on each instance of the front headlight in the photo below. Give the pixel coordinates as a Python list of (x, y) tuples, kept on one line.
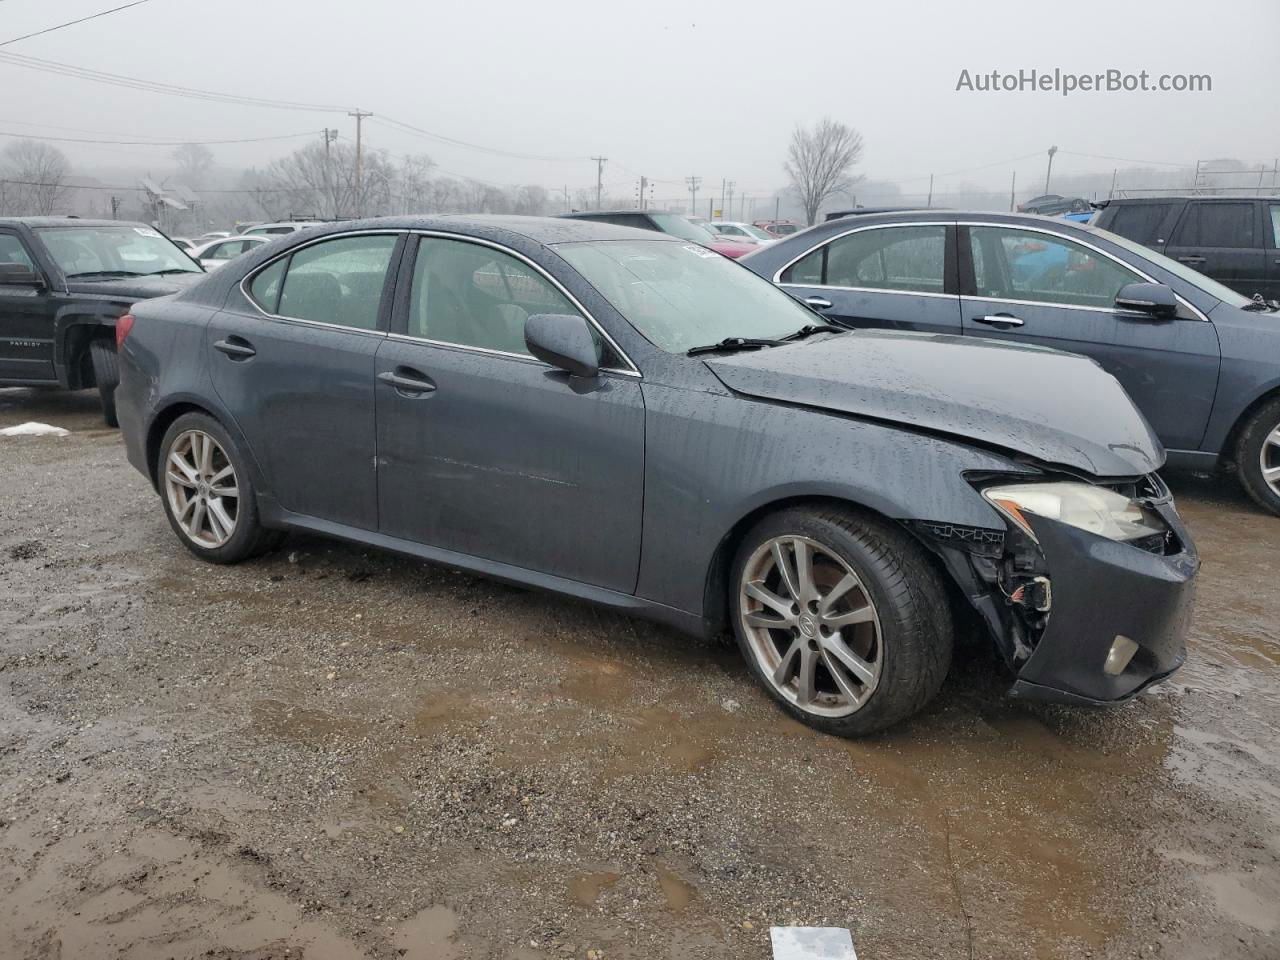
[(1095, 509)]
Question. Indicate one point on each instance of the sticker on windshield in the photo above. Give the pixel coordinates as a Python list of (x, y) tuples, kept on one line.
[(700, 251), (146, 232)]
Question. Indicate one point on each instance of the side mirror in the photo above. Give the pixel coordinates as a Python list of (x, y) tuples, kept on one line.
[(19, 275), (1153, 299), (563, 340)]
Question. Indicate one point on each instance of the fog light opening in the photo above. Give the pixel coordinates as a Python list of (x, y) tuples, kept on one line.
[(1118, 657)]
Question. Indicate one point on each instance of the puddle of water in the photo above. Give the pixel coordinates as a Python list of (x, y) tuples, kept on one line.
[(1236, 898), (429, 935), (585, 888), (677, 891), (287, 721)]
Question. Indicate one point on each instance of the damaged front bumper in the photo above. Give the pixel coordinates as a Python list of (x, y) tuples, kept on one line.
[(1080, 618)]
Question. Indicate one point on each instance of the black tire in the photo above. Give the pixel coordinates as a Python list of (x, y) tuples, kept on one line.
[(106, 374), (248, 537), (1251, 447), (913, 613)]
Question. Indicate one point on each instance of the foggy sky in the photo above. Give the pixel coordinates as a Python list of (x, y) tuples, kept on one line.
[(663, 87)]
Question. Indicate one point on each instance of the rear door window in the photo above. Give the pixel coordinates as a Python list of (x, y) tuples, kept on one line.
[(337, 282), (1140, 222), (1217, 225)]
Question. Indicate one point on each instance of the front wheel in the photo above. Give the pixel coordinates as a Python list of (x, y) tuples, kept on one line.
[(842, 618), (207, 493), (106, 374), (1258, 456)]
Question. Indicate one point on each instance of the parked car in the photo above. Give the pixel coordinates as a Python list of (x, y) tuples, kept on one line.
[(777, 228), (213, 235), (217, 252), (1235, 240), (278, 229), (183, 243), (63, 283), (1201, 361), (1055, 205), (736, 230), (674, 224), (532, 399)]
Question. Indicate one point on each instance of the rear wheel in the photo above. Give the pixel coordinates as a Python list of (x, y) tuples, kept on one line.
[(106, 374), (1258, 456), (841, 618), (207, 493)]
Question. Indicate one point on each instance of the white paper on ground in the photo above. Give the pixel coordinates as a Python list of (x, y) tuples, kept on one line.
[(33, 430), (812, 943)]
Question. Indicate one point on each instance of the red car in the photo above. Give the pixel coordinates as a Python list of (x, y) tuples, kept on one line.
[(777, 228), (672, 223)]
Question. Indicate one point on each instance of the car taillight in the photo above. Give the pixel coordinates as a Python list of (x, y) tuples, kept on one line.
[(123, 326)]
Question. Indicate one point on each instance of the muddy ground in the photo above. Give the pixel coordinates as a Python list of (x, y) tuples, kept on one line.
[(332, 753)]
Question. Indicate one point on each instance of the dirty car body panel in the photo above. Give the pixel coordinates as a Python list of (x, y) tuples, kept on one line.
[(631, 488)]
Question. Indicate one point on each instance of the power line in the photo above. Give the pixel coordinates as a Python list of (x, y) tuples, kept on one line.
[(97, 186), (157, 143), (72, 23), (454, 141), (151, 86)]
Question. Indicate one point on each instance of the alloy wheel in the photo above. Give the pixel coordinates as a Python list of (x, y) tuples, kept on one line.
[(811, 625), (200, 483), (1269, 460)]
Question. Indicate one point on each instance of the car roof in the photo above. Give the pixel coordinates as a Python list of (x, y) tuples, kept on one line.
[(546, 230), (71, 222), (1163, 197), (864, 211)]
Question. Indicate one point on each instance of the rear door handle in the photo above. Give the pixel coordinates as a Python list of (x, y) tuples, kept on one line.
[(999, 320), (407, 380), (1191, 259), (818, 303), (237, 348)]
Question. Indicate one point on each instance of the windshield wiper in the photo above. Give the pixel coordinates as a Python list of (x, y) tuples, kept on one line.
[(161, 273), (734, 343), (104, 274), (1262, 306), (809, 329)]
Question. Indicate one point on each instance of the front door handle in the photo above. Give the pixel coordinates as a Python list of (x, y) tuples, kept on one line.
[(237, 348), (999, 320), (407, 381), (1191, 259), (818, 303)]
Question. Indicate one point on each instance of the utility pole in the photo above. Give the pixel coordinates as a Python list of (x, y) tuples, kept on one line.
[(929, 202), (600, 161), (329, 137), (115, 208), (694, 183), (359, 115), (1115, 172), (1049, 169), (729, 201), (566, 199), (1013, 189), (644, 185), (722, 185)]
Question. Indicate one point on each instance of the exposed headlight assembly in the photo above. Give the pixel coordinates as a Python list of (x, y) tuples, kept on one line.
[(1094, 509)]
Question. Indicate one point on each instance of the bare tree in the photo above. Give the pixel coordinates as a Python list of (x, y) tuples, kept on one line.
[(37, 173), (194, 161), (818, 162)]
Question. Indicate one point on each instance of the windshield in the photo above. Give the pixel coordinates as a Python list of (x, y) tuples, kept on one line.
[(680, 295), (1179, 270), (123, 250), (678, 226), (755, 231)]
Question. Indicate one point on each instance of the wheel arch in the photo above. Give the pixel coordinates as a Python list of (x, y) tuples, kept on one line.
[(1229, 444), (177, 407), (715, 597)]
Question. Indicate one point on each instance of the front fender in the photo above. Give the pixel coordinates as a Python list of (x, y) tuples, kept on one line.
[(713, 460), (74, 325)]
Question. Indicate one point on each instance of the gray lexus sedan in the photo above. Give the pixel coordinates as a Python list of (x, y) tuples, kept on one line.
[(636, 421)]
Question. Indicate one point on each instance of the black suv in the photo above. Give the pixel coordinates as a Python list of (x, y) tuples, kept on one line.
[(63, 283), (1235, 240)]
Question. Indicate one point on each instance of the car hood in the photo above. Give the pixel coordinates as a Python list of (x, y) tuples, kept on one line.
[(135, 288), (1057, 408)]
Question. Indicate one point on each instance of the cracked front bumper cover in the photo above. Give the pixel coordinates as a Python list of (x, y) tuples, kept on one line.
[(1103, 588)]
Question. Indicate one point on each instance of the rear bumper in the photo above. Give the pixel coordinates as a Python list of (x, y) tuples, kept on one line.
[(1103, 589)]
